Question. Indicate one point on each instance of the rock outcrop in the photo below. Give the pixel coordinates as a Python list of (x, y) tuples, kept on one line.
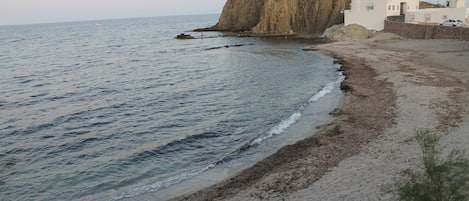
[(349, 32), (280, 16), (353, 32)]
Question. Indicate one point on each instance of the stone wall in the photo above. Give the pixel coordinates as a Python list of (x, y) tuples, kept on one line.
[(420, 31)]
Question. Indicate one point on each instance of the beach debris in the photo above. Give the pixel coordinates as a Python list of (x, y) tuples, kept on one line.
[(336, 112), (184, 36), (310, 48), (345, 86)]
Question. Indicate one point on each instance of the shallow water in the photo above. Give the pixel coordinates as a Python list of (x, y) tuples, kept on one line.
[(108, 108)]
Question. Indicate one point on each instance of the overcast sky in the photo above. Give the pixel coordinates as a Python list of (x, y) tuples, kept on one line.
[(41, 11), (442, 1)]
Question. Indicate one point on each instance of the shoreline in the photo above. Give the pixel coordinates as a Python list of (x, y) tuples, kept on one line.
[(249, 157), (298, 126), (319, 152), (390, 95), (431, 81)]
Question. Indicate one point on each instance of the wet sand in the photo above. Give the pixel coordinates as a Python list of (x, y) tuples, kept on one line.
[(393, 88)]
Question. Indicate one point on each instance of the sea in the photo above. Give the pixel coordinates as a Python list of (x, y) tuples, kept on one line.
[(121, 110)]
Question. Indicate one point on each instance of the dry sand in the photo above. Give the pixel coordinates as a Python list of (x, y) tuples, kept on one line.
[(395, 87)]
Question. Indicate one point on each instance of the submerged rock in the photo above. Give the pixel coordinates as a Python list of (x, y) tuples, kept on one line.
[(184, 36), (228, 46)]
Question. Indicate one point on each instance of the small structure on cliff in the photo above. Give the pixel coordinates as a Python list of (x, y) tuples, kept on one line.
[(372, 13)]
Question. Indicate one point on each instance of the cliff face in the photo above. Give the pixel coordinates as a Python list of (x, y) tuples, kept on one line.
[(426, 5), (280, 16), (239, 15)]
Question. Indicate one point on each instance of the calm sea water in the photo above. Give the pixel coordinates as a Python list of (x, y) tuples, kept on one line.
[(92, 108)]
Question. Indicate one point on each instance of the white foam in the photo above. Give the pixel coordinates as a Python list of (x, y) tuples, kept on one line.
[(277, 130), (280, 128), (327, 89), (161, 184), (323, 92)]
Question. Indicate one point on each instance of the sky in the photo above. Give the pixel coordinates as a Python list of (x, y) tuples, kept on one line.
[(43, 11), (443, 1)]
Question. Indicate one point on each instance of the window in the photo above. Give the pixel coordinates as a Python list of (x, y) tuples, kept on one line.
[(444, 17), (393, 7), (389, 7), (370, 5), (397, 7)]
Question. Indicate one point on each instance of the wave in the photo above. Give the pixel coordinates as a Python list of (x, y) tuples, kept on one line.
[(161, 184), (280, 128), (327, 89), (276, 130)]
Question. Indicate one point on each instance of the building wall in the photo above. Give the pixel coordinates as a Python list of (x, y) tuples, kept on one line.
[(421, 31), (457, 3), (467, 15), (394, 6), (368, 13), (372, 13), (435, 15)]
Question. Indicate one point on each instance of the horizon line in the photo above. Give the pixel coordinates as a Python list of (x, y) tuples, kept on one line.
[(103, 19)]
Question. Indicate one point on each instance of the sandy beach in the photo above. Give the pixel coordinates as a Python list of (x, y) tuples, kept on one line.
[(393, 88)]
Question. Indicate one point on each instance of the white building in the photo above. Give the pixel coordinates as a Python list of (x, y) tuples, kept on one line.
[(456, 10), (372, 13)]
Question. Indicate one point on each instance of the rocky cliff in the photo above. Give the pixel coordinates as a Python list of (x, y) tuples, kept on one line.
[(280, 16), (426, 5)]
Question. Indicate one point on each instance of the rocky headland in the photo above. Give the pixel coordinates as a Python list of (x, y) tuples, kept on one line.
[(283, 17), (280, 17)]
